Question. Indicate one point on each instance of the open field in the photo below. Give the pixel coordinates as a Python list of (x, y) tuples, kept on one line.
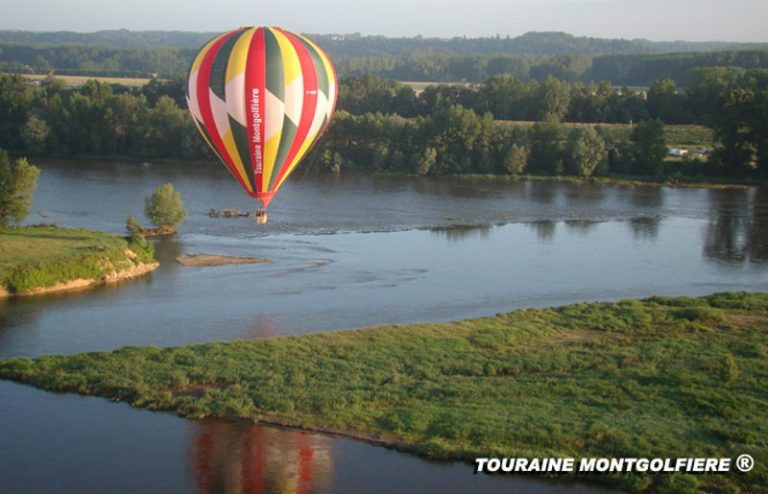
[(79, 80), (419, 86), (661, 377), (41, 256)]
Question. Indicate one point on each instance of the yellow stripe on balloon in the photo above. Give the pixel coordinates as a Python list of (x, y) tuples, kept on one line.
[(229, 143), (270, 155), (291, 63), (239, 55)]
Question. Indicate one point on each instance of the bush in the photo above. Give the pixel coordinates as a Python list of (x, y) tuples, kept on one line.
[(701, 314), (133, 226), (164, 208)]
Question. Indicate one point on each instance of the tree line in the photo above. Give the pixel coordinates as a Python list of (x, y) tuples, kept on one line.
[(384, 126), (456, 140), (509, 98), (455, 129), (96, 119)]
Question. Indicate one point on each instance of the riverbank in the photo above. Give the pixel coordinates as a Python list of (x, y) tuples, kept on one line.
[(44, 259), (681, 182), (679, 377), (669, 180)]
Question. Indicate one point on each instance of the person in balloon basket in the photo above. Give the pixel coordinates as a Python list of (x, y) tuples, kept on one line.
[(261, 216)]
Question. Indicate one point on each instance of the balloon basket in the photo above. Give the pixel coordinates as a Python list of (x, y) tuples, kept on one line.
[(261, 217)]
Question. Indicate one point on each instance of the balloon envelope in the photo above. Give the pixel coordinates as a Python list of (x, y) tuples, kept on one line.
[(261, 97)]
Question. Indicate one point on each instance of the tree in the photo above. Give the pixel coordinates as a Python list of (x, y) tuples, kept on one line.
[(740, 123), (18, 181), (34, 134), (554, 99), (649, 147), (546, 152), (516, 160), (505, 97), (16, 98), (585, 152), (666, 103), (164, 208), (426, 161)]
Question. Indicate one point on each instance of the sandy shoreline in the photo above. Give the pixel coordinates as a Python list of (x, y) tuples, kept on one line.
[(200, 260)]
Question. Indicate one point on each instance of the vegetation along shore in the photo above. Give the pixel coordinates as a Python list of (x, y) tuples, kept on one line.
[(44, 259), (660, 377)]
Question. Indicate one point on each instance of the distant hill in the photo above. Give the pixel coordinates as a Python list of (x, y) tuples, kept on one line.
[(357, 45), (107, 39), (531, 56)]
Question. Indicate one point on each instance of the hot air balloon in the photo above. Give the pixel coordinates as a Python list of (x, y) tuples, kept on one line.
[(261, 97)]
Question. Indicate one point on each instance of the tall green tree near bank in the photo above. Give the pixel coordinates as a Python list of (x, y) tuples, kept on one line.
[(586, 152), (554, 99), (461, 139), (545, 149), (667, 103), (516, 159), (734, 103), (18, 180), (164, 208), (649, 147)]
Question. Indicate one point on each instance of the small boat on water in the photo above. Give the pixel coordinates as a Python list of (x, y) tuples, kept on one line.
[(229, 213)]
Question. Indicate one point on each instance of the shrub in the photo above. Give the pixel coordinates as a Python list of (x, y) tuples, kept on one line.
[(701, 314), (133, 226)]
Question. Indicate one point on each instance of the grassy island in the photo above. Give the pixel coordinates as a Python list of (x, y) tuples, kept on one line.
[(660, 377), (40, 259)]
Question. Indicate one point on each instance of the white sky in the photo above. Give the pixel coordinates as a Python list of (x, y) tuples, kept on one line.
[(693, 20)]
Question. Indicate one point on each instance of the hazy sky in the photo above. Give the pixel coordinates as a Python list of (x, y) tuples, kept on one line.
[(695, 20)]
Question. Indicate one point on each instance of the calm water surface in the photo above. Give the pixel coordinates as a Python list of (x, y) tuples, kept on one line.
[(347, 251)]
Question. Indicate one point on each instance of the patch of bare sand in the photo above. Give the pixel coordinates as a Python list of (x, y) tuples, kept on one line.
[(199, 260)]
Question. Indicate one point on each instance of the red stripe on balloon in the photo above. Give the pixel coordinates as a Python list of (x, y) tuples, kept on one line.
[(255, 94), (309, 106), (204, 103)]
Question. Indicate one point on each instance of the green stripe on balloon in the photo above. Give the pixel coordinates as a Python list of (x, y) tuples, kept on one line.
[(274, 68), (219, 69), (289, 134), (240, 136)]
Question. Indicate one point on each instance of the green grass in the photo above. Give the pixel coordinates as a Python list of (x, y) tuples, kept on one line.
[(679, 377), (40, 256)]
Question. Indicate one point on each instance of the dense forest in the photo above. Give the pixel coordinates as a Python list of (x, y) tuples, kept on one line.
[(532, 56), (385, 126)]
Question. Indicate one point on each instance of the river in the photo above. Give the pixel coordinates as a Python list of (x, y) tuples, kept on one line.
[(347, 251)]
